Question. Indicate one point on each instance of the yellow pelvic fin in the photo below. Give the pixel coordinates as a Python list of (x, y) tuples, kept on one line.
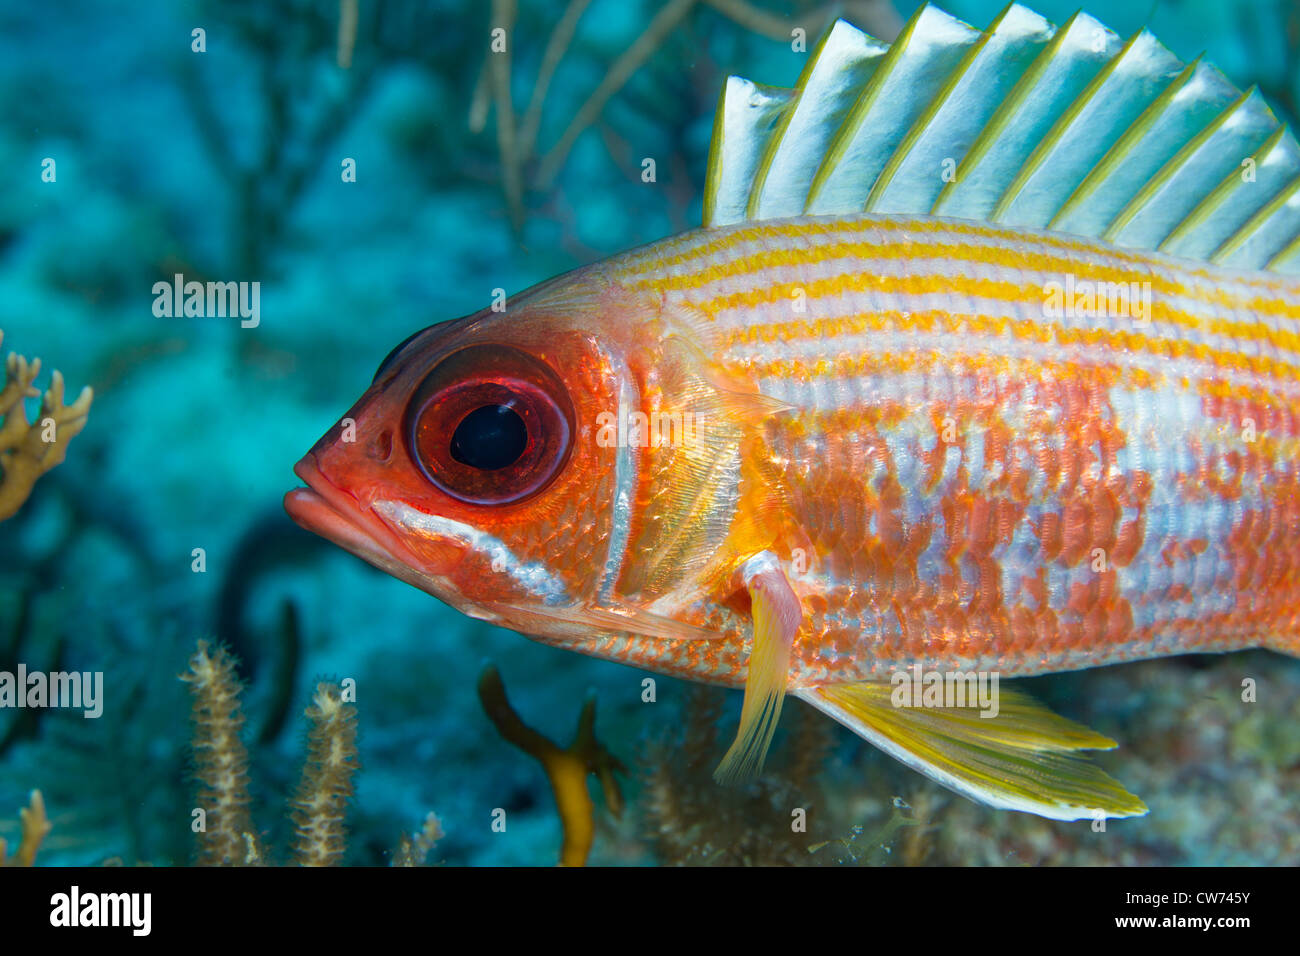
[(1023, 758), (776, 615)]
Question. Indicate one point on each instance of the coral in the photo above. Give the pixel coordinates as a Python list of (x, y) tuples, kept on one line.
[(320, 802), (776, 820), (299, 118), (320, 806), (414, 850), (35, 827), (28, 450), (566, 768), (221, 759), (517, 140)]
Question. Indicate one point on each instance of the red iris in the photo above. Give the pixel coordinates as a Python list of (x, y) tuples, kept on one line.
[(490, 425)]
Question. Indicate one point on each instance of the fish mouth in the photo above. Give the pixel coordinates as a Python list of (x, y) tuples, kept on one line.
[(324, 509)]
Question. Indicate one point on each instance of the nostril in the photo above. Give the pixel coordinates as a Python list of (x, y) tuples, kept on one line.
[(381, 446)]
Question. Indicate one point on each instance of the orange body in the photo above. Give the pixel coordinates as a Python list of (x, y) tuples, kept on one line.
[(958, 458)]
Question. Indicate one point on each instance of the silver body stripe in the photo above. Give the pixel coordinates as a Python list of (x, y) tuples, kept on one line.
[(533, 576), (625, 475)]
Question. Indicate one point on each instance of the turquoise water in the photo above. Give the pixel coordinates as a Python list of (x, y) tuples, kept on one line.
[(229, 164)]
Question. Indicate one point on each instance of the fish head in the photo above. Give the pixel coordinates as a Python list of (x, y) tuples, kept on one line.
[(469, 468)]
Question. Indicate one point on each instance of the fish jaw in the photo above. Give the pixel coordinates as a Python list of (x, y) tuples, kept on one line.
[(324, 509), (378, 534)]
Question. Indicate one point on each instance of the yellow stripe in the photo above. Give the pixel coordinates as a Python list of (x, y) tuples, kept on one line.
[(1022, 330), (825, 226), (1018, 259), (857, 324), (999, 290)]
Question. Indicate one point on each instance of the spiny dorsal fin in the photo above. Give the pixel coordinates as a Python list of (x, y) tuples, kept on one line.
[(1023, 124)]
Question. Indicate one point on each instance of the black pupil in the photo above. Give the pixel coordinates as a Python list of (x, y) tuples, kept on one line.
[(489, 438)]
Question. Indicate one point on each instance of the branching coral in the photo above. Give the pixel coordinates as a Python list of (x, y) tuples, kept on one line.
[(773, 821), (320, 806), (226, 837), (35, 827), (30, 449), (320, 803), (566, 768), (517, 141)]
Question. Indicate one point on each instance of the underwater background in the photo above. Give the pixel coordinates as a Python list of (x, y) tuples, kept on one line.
[(229, 165)]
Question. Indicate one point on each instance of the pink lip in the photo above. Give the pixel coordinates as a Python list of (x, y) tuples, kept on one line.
[(334, 514)]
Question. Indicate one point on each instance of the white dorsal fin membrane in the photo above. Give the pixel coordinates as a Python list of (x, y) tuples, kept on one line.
[(1024, 117), (1022, 124), (1114, 100), (1187, 106), (825, 93), (911, 75), (1171, 195), (927, 158), (1267, 235), (1248, 187), (748, 115)]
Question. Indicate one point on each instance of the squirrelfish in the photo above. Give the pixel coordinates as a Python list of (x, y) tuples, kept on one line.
[(985, 360)]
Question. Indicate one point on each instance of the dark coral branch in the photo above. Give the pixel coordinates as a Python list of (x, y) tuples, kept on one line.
[(566, 768)]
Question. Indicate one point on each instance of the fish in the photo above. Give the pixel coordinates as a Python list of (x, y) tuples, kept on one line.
[(984, 363)]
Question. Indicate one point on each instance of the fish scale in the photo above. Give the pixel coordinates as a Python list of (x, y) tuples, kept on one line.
[(809, 353)]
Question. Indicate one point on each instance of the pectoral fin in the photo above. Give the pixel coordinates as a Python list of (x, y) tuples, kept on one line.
[(776, 614), (1021, 759)]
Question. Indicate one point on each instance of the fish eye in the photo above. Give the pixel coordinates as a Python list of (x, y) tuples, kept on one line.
[(490, 437), (490, 425)]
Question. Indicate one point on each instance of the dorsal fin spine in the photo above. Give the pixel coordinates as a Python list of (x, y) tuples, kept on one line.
[(861, 107), (778, 134), (1124, 145), (1206, 208), (927, 115), (713, 171), (1251, 225), (1041, 152), (1006, 112), (1171, 166)]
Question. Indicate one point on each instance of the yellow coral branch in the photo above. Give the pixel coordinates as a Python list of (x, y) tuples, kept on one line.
[(226, 838), (28, 450), (566, 768), (320, 805), (36, 826)]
